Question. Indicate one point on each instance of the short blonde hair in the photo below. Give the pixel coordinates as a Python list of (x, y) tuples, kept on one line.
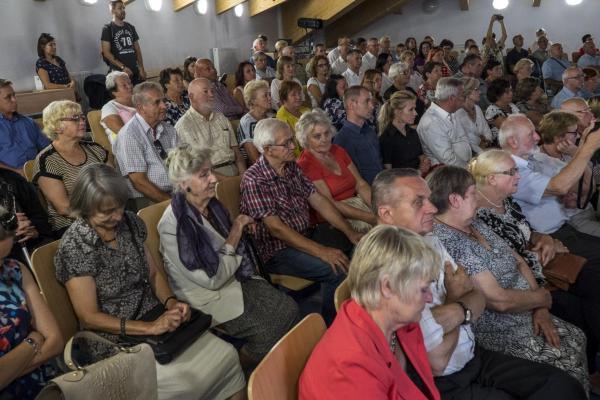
[(521, 64), (555, 124), (469, 84), (185, 160), (307, 123), (486, 164), (281, 62), (393, 251), (54, 112), (252, 88)]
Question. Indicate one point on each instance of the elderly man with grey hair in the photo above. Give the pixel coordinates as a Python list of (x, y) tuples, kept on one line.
[(259, 46), (462, 369), (442, 136), (572, 79), (142, 146), (276, 194), (202, 127)]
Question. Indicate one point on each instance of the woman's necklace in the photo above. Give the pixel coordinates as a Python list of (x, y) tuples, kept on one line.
[(470, 233), (394, 342), (488, 200)]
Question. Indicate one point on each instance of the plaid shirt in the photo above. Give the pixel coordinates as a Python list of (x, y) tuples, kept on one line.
[(135, 152), (265, 194)]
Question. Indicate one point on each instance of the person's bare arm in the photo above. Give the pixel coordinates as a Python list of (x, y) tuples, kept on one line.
[(238, 95), (345, 209), (441, 354), (56, 194), (113, 122), (239, 160), (502, 40), (140, 59), (251, 151), (315, 92), (106, 53), (142, 184), (560, 184), (17, 170), (509, 300), (45, 78), (331, 215), (363, 189)]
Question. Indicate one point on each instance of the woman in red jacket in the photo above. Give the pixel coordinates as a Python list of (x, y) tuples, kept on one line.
[(374, 349)]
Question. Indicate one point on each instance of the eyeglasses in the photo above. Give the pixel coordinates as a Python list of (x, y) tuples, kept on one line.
[(322, 65), (161, 150), (572, 132), (287, 143), (75, 118), (509, 172), (581, 76)]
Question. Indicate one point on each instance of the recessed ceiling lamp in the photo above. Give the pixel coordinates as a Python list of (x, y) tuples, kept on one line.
[(239, 10), (88, 2), (201, 7), (154, 5), (500, 4), (573, 2)]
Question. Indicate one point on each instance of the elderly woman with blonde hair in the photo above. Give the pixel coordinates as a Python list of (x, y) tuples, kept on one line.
[(375, 347), (495, 175), (332, 171), (258, 99), (523, 69), (471, 117), (58, 165), (212, 266)]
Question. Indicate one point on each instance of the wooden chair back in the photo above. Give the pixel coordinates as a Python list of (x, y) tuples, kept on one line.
[(53, 292), (151, 215), (228, 193), (277, 375), (28, 170), (98, 132), (342, 293)]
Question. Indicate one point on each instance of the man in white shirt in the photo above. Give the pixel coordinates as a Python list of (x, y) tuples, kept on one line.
[(370, 58), (462, 370), (343, 44), (353, 73), (443, 139), (340, 63), (591, 58)]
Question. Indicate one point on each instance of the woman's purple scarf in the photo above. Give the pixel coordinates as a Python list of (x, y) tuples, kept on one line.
[(194, 244)]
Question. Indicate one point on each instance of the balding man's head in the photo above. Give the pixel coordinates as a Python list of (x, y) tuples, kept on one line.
[(572, 78), (205, 69), (517, 135), (556, 50), (289, 51), (579, 107), (200, 92)]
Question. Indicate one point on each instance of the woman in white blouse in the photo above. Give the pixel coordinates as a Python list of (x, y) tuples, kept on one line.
[(471, 117), (316, 84)]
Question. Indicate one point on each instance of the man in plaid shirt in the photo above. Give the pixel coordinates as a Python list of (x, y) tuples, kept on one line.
[(277, 195)]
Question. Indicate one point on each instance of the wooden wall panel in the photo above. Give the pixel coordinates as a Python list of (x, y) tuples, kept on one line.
[(258, 6), (223, 5), (181, 4)]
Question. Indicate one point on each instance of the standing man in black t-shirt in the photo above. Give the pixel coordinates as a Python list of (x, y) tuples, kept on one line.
[(120, 47)]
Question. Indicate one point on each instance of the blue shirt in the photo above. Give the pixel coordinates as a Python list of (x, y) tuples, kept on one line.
[(20, 140), (588, 61), (553, 68), (545, 213), (362, 145), (563, 95)]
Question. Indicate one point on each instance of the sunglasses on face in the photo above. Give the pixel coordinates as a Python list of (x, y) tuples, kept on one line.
[(509, 172)]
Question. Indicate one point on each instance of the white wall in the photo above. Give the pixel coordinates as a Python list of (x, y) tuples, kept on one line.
[(563, 23), (166, 37)]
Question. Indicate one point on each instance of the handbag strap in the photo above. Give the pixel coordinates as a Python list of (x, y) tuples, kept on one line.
[(68, 356)]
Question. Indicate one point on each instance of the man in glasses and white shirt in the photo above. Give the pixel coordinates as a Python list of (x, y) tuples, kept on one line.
[(142, 146)]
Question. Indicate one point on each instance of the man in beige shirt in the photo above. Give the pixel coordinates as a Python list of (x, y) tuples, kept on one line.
[(200, 126)]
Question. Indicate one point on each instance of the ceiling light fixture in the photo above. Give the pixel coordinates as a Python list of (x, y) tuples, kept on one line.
[(239, 10), (154, 5), (201, 7), (500, 4), (573, 2)]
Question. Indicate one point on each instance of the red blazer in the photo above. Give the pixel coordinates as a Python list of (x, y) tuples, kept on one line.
[(353, 360)]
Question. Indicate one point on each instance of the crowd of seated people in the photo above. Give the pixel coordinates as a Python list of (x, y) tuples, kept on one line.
[(410, 172)]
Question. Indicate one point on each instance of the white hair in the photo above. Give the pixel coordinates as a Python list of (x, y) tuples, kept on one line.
[(264, 132), (565, 74), (512, 125), (397, 69), (111, 80), (447, 87)]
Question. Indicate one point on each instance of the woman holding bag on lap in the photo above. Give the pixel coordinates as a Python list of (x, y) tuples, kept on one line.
[(113, 281)]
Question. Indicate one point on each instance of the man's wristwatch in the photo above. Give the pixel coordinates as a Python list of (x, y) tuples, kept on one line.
[(468, 313)]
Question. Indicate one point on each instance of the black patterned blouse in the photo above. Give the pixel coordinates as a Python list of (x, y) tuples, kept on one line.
[(512, 226), (121, 275), (57, 74)]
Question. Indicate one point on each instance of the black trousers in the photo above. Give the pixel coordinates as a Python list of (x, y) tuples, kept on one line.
[(495, 376), (584, 313)]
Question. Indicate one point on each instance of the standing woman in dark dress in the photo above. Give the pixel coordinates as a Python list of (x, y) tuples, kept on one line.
[(51, 68), (400, 144)]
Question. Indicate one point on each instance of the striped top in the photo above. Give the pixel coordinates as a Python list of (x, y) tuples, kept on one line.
[(50, 164)]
